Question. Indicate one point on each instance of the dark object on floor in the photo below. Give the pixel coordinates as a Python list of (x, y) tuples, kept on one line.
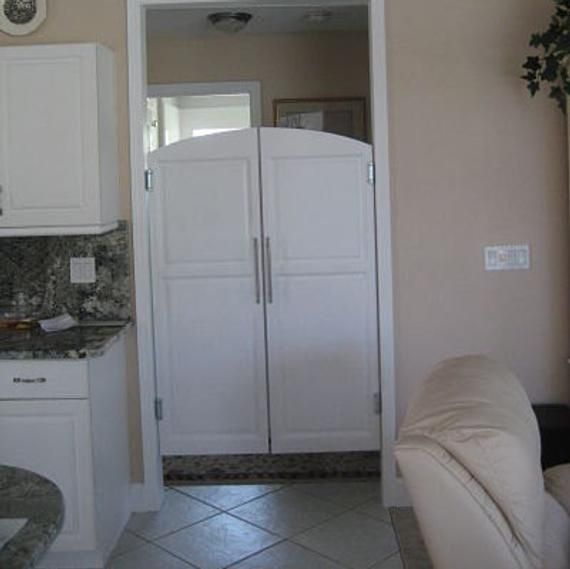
[(270, 467), (554, 425), (412, 547)]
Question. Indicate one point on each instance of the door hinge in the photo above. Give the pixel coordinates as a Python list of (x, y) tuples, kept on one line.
[(148, 179), (158, 411), (371, 173), (377, 404)]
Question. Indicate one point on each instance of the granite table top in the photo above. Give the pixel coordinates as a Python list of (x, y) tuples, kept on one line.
[(25, 494), (80, 342)]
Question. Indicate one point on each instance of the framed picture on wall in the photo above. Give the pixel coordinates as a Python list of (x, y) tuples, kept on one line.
[(346, 117)]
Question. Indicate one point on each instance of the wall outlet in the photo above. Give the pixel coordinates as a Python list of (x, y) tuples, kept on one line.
[(507, 258), (82, 270)]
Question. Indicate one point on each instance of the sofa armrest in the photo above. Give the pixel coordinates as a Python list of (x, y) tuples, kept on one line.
[(557, 483), (461, 524)]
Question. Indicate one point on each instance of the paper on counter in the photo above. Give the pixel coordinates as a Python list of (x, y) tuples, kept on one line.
[(62, 322)]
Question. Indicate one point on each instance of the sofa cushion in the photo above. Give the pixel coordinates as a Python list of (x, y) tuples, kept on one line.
[(479, 413), (556, 534), (557, 482)]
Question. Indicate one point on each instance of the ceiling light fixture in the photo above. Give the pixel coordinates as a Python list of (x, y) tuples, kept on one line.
[(318, 16), (229, 22)]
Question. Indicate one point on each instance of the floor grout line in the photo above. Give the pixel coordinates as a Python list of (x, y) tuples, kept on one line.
[(290, 537), (169, 533), (254, 554), (256, 526), (384, 559), (343, 509), (162, 548), (233, 507), (328, 557), (371, 516)]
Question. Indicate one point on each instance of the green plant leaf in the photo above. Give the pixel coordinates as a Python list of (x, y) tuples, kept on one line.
[(551, 67), (549, 64), (535, 40), (532, 63), (559, 96), (533, 87)]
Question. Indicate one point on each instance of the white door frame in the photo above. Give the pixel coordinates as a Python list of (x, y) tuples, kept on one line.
[(148, 495)]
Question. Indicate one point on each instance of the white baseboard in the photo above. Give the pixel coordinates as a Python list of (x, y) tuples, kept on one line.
[(396, 495), (144, 499)]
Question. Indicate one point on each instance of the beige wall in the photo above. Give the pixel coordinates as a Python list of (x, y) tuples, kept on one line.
[(300, 65), (474, 162)]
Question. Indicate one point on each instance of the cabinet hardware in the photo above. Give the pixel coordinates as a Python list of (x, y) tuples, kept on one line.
[(1, 199), (371, 173), (148, 179), (29, 380), (269, 275), (256, 269)]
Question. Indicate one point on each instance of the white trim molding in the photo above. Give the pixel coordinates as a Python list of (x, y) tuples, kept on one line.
[(393, 493), (148, 496)]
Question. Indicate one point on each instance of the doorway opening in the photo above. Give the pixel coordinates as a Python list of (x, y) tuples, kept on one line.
[(186, 110), (311, 68), (139, 11), (299, 66)]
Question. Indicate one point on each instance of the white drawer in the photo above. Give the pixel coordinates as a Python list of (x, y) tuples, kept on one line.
[(43, 379)]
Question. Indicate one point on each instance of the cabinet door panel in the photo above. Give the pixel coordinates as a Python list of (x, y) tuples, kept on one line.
[(318, 212), (48, 150), (209, 328), (51, 437)]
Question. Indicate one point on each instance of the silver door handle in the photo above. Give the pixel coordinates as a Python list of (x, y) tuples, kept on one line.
[(256, 269), (269, 282)]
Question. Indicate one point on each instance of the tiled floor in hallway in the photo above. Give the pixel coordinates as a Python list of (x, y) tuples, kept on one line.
[(324, 525)]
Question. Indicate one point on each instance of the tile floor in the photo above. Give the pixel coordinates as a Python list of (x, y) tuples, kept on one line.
[(324, 525)]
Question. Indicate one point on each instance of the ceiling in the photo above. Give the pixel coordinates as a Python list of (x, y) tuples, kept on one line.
[(193, 22)]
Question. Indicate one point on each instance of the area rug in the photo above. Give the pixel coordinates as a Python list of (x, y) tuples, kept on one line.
[(251, 468), (412, 547)]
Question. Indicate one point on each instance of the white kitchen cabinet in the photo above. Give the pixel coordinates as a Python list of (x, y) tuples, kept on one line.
[(58, 140), (66, 420)]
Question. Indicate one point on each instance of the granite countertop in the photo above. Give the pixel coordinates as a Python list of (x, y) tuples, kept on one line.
[(24, 494), (83, 341)]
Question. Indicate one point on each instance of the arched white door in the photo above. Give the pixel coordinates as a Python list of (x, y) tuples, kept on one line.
[(318, 219), (208, 312), (263, 260)]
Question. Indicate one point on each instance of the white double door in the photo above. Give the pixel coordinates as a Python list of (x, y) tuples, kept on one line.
[(264, 290)]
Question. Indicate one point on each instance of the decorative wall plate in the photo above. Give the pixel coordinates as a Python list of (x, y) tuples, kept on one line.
[(21, 17)]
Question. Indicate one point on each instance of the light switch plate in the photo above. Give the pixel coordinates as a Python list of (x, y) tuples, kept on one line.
[(507, 258), (82, 270)]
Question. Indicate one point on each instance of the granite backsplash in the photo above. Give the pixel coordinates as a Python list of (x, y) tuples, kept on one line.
[(35, 281)]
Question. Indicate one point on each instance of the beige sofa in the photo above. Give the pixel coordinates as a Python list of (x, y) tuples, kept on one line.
[(469, 452)]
